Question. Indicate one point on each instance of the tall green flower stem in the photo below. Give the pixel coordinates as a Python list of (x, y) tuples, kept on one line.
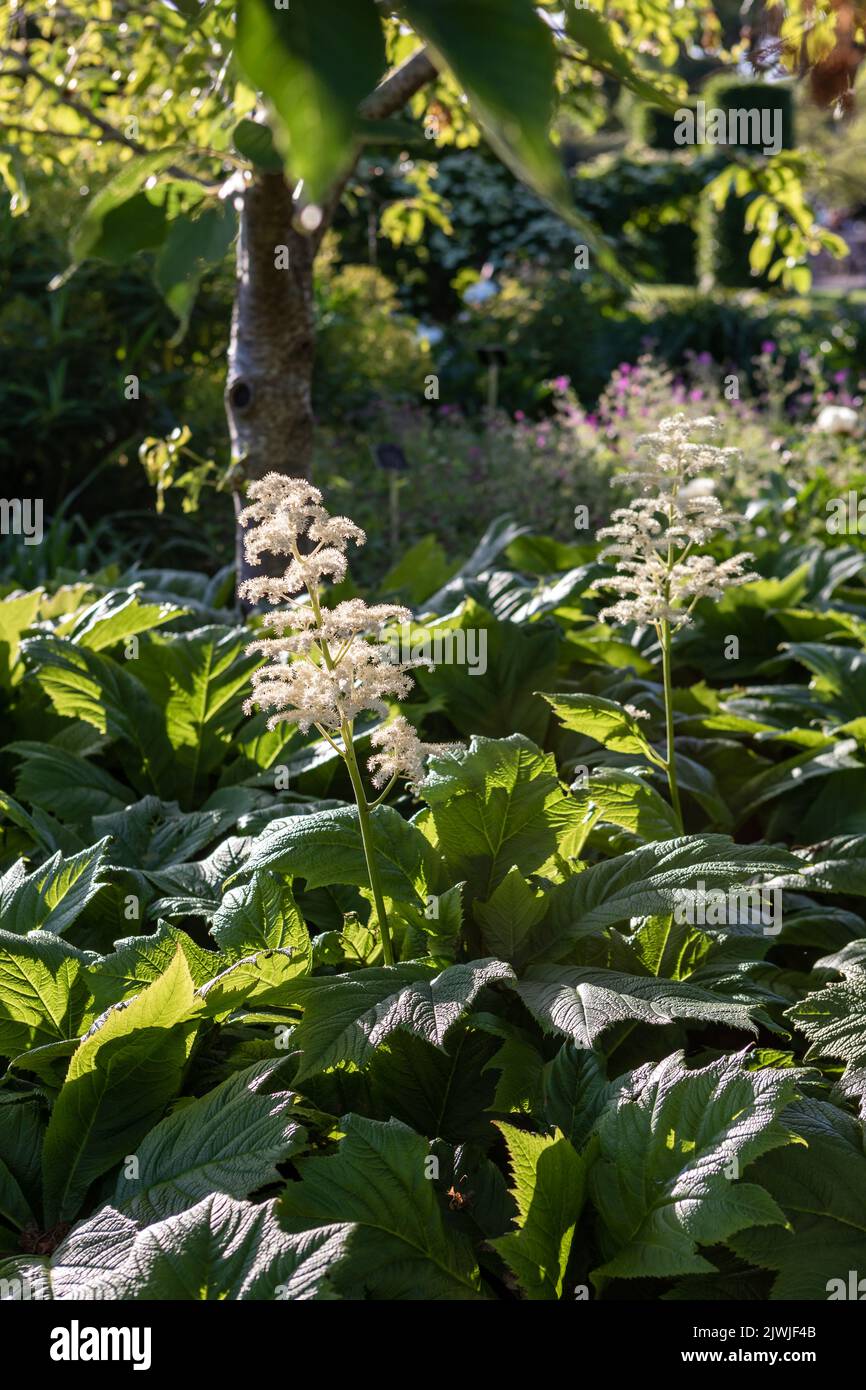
[(366, 824), (321, 670), (661, 569), (670, 757), (350, 758)]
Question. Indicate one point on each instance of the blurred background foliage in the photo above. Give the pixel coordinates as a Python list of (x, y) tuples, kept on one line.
[(438, 255)]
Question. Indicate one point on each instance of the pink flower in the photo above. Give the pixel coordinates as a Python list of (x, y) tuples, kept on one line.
[(520, 414)]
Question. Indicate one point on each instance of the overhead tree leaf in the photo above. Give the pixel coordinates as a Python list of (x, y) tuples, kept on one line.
[(315, 64), (481, 41)]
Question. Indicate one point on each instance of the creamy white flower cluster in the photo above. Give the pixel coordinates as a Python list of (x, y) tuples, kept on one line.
[(321, 668), (658, 576), (402, 754)]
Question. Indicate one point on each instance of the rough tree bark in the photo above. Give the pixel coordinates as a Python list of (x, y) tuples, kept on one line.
[(268, 393), (270, 361)]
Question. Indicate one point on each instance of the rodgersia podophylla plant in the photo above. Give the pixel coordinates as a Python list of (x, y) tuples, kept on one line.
[(656, 540), (323, 665)]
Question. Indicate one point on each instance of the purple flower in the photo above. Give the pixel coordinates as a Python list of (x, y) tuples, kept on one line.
[(520, 414), (841, 376), (561, 383), (705, 359), (696, 394), (768, 347)]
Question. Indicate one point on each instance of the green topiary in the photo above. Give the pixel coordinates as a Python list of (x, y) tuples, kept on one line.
[(723, 242)]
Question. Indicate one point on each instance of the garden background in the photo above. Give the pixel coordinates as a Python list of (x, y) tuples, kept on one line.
[(449, 264)]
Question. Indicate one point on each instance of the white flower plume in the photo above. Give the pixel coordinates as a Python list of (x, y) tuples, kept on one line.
[(659, 577), (402, 754), (324, 666)]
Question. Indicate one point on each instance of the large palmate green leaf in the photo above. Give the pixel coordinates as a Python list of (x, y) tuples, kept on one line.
[(315, 64), (441, 1092), (836, 866), (199, 680), (52, 896), (115, 617), (120, 1078), (137, 961), (792, 773), (22, 1126), (583, 1004), (486, 43), (327, 848), (261, 915), (604, 720), (834, 1021), (226, 1141), (261, 979), (378, 1181), (839, 675), (672, 1147), (485, 669), (16, 615), (69, 786), (43, 831), (82, 684), (650, 880), (507, 918), (43, 992), (497, 804), (575, 1091), (219, 1249), (151, 834), (347, 1016), (822, 1191), (549, 1178), (620, 796)]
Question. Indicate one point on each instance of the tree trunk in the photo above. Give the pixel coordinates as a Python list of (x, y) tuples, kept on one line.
[(270, 360)]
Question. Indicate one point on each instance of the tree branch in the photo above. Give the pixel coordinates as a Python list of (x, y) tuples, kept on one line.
[(391, 95), (399, 86)]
